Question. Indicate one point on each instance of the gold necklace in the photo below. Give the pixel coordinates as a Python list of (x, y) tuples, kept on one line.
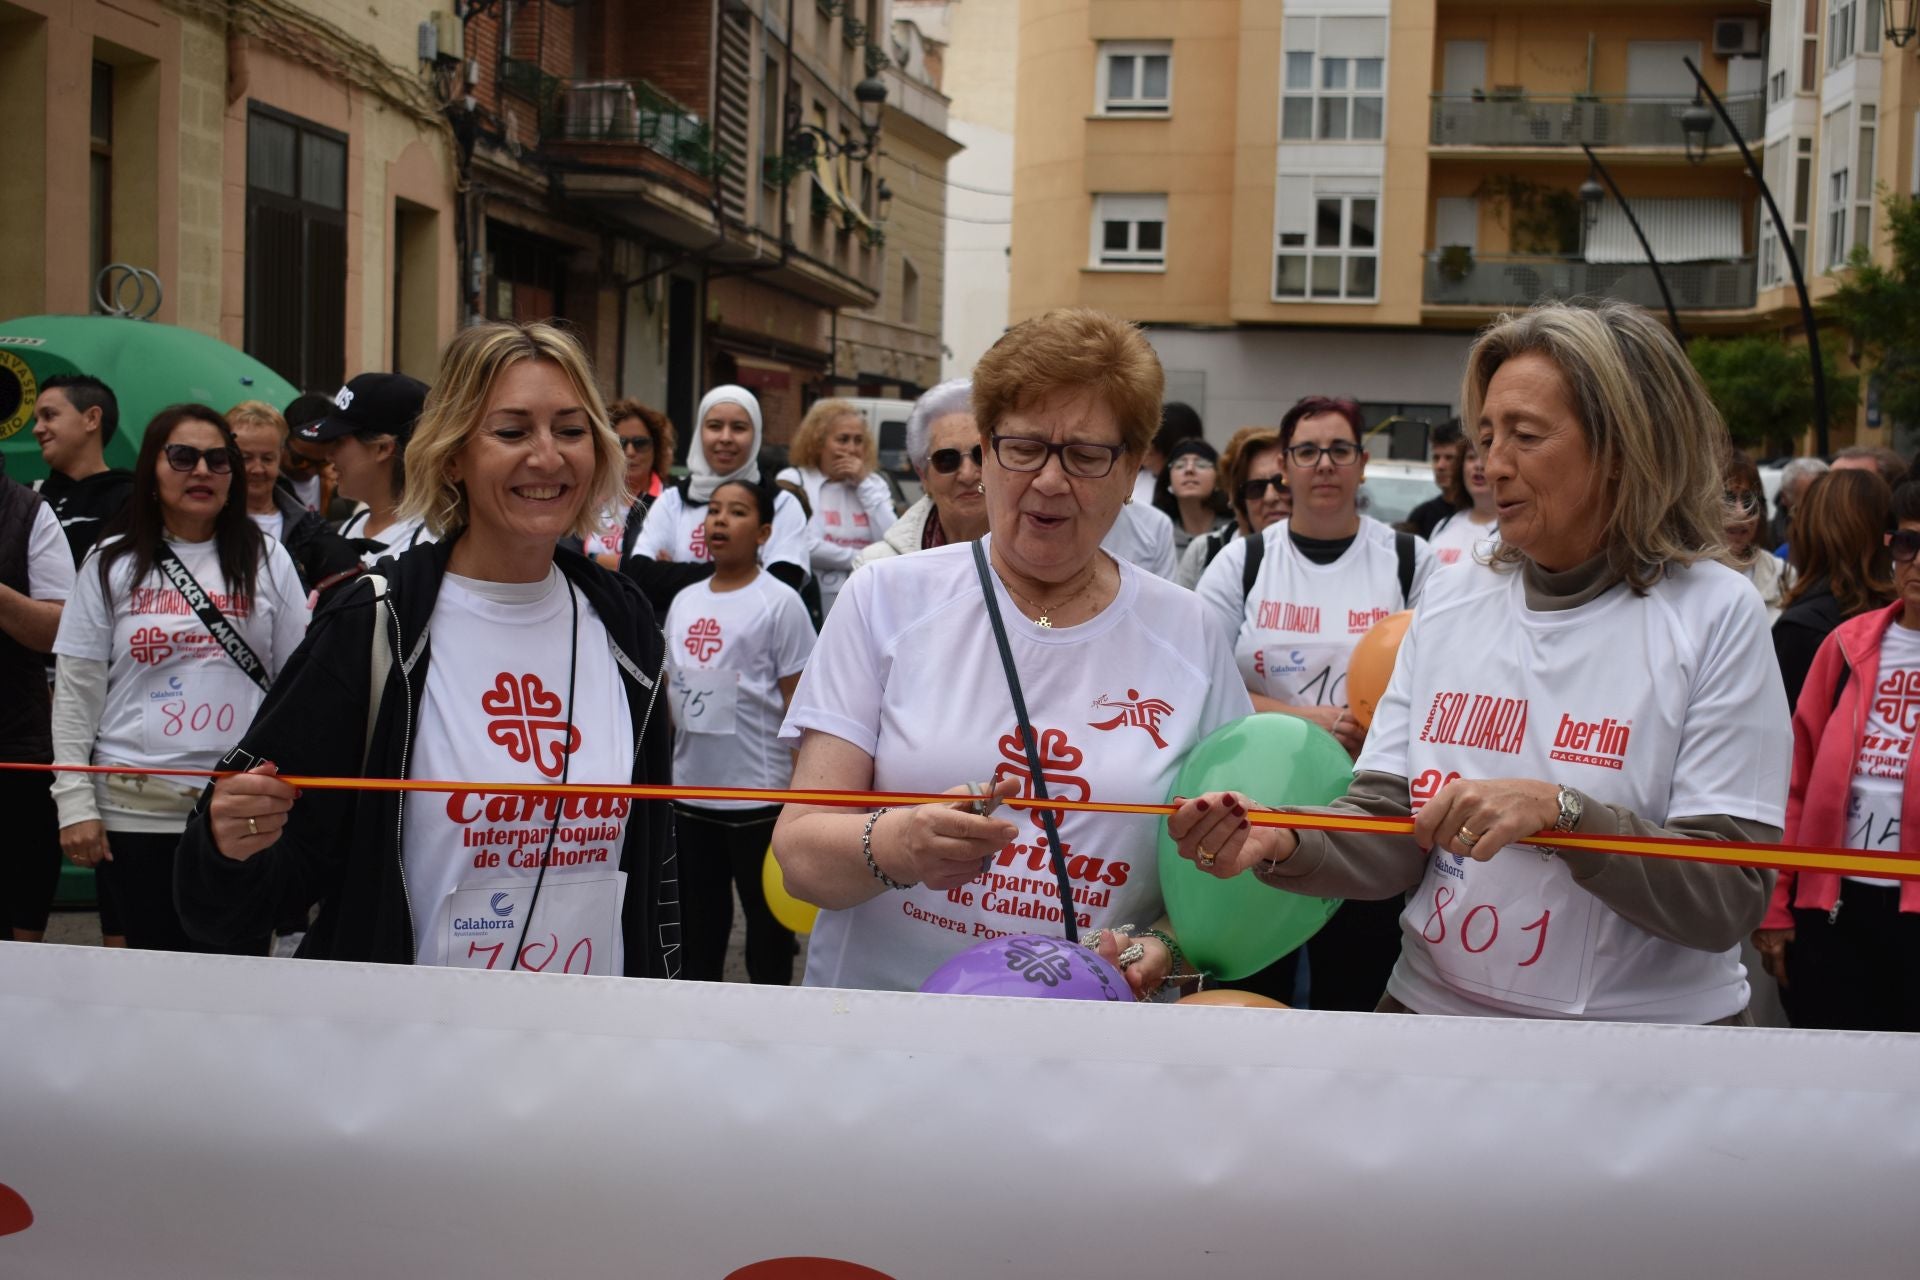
[(1045, 620)]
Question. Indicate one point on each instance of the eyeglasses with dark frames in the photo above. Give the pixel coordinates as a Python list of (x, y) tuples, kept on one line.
[(1254, 490), (184, 457), (1343, 452), (639, 443), (1744, 500), (1086, 461), (947, 461)]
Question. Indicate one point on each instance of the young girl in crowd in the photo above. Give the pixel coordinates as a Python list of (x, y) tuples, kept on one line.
[(179, 620), (1475, 521), (737, 643)]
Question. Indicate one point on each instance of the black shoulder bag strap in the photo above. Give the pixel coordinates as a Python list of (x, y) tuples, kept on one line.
[(1403, 548), (1250, 571), (1027, 737), (211, 618)]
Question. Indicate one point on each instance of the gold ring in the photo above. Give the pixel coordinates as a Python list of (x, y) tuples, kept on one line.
[(1205, 859), (1467, 838), (253, 828)]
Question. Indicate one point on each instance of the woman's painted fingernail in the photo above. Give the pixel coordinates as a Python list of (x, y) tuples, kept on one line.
[(1200, 805)]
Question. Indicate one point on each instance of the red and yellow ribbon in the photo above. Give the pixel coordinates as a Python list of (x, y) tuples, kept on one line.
[(1846, 862)]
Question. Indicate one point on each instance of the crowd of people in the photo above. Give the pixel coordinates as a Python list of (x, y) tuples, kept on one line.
[(501, 578)]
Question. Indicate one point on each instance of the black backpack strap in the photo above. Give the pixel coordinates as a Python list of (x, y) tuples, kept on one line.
[(1403, 548), (1250, 571)]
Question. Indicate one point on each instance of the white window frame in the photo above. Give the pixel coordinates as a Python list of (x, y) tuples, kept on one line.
[(1136, 210), (1866, 135), (1301, 242), (1842, 19), (1136, 107), (1325, 88)]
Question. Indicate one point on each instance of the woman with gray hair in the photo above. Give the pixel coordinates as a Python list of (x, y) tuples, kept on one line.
[(1609, 679), (943, 444)]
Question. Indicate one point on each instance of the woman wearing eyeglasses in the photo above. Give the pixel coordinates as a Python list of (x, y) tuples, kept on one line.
[(943, 446), (1188, 491), (647, 443), (836, 464), (1846, 949), (1747, 518), (906, 690), (144, 679)]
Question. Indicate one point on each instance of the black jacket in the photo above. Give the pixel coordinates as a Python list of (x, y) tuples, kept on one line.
[(85, 506), (342, 848), (321, 555), (1426, 517), (1798, 632)]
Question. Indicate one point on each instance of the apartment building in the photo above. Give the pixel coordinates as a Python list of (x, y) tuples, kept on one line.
[(1333, 195), (284, 172)]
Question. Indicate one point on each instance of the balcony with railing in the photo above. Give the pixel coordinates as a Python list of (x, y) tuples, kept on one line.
[(1454, 279), (626, 121), (1517, 119)]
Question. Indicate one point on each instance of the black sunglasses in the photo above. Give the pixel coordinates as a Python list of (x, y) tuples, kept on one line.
[(947, 461), (636, 443), (1254, 490), (1905, 545), (184, 457)]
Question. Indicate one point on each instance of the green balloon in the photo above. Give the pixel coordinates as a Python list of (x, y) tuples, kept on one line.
[(1234, 928)]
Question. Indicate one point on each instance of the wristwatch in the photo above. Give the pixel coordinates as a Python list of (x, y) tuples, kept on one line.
[(1571, 807)]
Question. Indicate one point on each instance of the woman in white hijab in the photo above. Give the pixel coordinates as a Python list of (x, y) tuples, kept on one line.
[(725, 446)]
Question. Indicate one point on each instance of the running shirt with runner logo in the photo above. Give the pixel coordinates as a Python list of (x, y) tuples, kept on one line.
[(1294, 632), (1667, 704), (495, 709), (1886, 750), (906, 671), (728, 652), (175, 700)]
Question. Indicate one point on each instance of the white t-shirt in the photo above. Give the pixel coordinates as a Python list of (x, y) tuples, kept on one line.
[(175, 700), (1770, 576), (846, 521), (270, 524), (494, 709), (1143, 536), (1880, 770), (906, 670), (1143, 485), (728, 652), (1668, 704), (308, 491), (680, 528), (613, 528), (1458, 538), (399, 537), (1294, 632), (49, 563)]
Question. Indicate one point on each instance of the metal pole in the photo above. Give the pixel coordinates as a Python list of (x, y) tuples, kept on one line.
[(1820, 440), (1666, 295)]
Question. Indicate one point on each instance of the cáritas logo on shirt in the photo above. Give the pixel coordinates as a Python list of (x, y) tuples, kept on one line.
[(1477, 721), (1601, 743)]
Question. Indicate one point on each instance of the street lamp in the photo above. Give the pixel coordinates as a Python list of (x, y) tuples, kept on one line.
[(1901, 32), (1592, 196), (1696, 123), (804, 140)]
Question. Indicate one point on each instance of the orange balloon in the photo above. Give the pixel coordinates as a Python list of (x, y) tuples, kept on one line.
[(1235, 999), (1371, 665)]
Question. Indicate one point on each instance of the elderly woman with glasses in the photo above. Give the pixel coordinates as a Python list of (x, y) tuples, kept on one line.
[(943, 445), (1846, 949), (1607, 678), (907, 691)]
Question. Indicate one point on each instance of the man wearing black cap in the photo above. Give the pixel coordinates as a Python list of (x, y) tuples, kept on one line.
[(366, 435)]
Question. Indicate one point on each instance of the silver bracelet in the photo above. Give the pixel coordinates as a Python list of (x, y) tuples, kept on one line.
[(866, 847)]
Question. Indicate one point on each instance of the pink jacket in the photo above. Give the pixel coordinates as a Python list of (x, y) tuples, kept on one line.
[(1827, 731)]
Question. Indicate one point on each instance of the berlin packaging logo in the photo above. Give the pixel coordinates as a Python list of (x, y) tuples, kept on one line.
[(1602, 744)]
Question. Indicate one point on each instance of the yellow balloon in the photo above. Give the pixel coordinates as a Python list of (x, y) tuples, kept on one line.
[(787, 909)]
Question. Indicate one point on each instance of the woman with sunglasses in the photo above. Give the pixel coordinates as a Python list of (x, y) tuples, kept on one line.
[(1256, 493), (145, 678), (646, 443), (943, 446), (1846, 949), (1839, 563), (1188, 492), (837, 465), (1746, 523), (907, 691)]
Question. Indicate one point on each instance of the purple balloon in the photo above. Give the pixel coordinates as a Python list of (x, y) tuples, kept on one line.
[(1029, 964)]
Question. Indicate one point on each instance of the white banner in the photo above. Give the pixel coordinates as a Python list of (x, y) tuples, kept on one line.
[(165, 1115)]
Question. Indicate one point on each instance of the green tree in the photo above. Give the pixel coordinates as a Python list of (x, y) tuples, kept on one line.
[(1764, 388), (1880, 307)]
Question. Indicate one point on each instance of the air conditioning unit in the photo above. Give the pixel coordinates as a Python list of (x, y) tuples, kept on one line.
[(450, 34), (1736, 37)]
